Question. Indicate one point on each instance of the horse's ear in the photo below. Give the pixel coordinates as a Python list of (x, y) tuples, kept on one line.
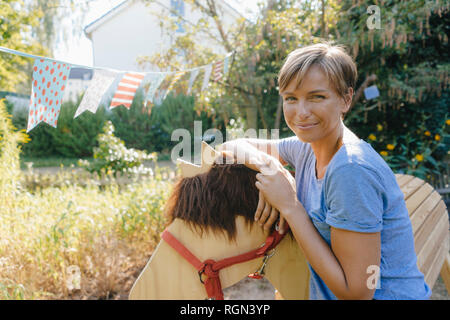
[(209, 155)]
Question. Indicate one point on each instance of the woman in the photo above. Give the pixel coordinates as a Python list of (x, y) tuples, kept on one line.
[(344, 207)]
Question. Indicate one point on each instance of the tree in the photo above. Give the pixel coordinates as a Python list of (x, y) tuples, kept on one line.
[(408, 59), (32, 26), (16, 24), (250, 90)]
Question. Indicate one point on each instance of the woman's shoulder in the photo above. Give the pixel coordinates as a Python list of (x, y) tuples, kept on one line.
[(358, 158)]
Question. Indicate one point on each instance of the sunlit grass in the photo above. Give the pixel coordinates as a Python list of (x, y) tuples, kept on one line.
[(52, 161)]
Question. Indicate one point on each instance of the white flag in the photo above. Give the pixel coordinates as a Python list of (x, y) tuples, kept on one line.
[(194, 75), (100, 83), (155, 81), (208, 70)]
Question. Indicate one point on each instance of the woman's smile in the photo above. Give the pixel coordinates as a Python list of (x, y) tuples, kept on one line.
[(306, 126)]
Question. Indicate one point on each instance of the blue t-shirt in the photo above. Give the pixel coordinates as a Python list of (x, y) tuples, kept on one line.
[(359, 192)]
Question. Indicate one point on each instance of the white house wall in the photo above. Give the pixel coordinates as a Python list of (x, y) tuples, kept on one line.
[(135, 31)]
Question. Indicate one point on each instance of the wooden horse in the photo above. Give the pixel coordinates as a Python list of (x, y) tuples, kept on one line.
[(210, 198), (211, 214)]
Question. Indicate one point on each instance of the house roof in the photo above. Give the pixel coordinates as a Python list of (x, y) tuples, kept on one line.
[(105, 17), (81, 73), (88, 29)]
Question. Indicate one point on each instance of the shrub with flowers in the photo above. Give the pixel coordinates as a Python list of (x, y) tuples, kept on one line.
[(421, 153), (113, 156)]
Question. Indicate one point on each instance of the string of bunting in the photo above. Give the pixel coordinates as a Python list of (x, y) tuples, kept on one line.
[(50, 78)]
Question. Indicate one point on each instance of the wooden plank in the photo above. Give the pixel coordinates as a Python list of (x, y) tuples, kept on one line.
[(416, 199), (437, 265), (412, 186), (403, 179), (424, 210), (428, 227), (432, 245), (445, 271)]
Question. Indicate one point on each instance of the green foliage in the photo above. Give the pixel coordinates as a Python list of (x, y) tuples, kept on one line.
[(76, 137), (136, 127), (410, 57), (9, 155), (73, 138), (178, 112), (16, 24), (151, 129), (112, 156)]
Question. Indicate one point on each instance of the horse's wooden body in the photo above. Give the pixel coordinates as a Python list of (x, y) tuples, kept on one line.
[(168, 275)]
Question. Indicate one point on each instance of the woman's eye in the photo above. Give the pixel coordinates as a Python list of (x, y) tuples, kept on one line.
[(289, 99), (318, 97)]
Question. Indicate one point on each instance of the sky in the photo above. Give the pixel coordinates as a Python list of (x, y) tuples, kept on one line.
[(78, 50)]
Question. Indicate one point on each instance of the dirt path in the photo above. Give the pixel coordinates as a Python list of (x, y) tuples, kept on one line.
[(252, 289)]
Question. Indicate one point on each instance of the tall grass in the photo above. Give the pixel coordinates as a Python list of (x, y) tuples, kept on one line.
[(73, 236), (83, 242)]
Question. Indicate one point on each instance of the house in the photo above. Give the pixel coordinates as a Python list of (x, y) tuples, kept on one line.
[(77, 83), (132, 29)]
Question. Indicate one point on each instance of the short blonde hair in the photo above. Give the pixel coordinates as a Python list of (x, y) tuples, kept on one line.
[(334, 61)]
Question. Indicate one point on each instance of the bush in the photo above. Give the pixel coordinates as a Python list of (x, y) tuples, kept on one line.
[(151, 129), (73, 138), (139, 127), (112, 156)]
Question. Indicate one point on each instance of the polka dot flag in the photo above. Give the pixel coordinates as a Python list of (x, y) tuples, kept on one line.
[(47, 90)]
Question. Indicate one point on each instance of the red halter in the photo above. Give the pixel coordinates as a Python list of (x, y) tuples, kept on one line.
[(211, 268)]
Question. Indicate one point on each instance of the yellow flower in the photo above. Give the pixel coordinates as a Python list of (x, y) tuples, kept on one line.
[(390, 147), (379, 127), (384, 153), (372, 137), (437, 137), (419, 157), (427, 133), (447, 122)]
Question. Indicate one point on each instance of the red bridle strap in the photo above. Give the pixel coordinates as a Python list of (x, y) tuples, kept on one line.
[(211, 268)]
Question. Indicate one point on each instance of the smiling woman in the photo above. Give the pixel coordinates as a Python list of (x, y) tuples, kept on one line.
[(345, 207)]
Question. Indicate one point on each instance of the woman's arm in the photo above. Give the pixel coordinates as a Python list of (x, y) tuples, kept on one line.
[(344, 265), (247, 151)]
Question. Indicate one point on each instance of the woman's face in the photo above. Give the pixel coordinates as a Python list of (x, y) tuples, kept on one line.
[(313, 110)]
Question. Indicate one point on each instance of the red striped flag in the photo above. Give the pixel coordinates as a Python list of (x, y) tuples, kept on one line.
[(218, 71), (127, 89)]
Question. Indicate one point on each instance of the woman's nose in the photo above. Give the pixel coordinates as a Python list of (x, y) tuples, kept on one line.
[(302, 111)]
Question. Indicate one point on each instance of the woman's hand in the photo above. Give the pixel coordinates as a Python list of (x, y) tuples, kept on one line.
[(277, 186), (266, 215)]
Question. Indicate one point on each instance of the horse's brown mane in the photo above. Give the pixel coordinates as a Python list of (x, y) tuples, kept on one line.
[(214, 199)]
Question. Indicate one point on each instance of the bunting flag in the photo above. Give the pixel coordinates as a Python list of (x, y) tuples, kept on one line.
[(194, 75), (50, 80), (99, 84), (155, 81), (175, 78), (127, 89), (226, 63), (206, 77), (218, 71), (47, 90)]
